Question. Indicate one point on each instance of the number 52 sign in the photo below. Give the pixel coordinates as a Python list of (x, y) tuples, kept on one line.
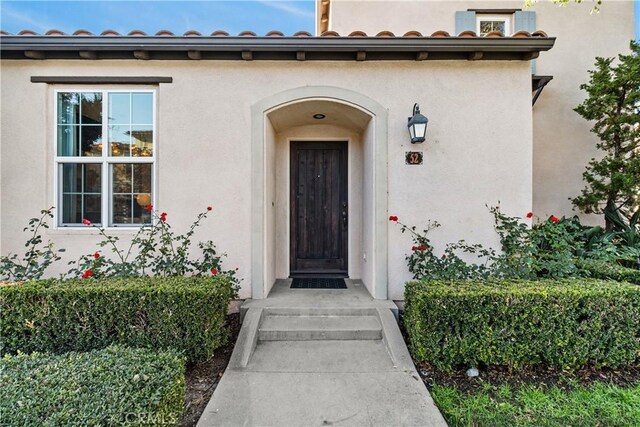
[(413, 157)]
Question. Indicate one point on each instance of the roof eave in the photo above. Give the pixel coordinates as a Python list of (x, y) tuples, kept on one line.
[(326, 48)]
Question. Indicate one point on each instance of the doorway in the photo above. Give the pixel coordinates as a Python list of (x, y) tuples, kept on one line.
[(319, 209)]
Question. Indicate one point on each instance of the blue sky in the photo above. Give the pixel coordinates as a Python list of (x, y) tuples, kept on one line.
[(233, 16)]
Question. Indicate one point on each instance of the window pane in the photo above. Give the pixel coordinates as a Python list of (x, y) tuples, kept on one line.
[(485, 27), (142, 178), (122, 209), (119, 140), (122, 178), (142, 141), (119, 104), (92, 172), (91, 108), (68, 108), (68, 137), (93, 208), (131, 184), (142, 108), (488, 26), (91, 140), (72, 209), (81, 196)]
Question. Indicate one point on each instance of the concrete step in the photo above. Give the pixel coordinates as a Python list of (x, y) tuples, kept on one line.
[(309, 328)]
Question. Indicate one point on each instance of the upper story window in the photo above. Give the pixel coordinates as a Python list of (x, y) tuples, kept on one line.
[(486, 23), (105, 155)]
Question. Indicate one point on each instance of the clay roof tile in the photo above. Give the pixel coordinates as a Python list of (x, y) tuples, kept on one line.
[(468, 33), (109, 33), (491, 34), (539, 34), (440, 33)]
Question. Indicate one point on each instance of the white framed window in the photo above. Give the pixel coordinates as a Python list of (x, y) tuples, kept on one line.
[(105, 145), (486, 23)]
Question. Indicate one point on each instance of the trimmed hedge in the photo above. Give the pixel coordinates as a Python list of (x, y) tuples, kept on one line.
[(609, 270), (112, 386), (183, 313), (564, 323)]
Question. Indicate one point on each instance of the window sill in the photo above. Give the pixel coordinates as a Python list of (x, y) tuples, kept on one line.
[(92, 231)]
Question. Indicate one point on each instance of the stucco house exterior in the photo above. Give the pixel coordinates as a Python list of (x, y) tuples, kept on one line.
[(300, 142)]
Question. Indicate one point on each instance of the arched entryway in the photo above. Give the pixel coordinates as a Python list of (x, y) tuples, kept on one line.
[(286, 122)]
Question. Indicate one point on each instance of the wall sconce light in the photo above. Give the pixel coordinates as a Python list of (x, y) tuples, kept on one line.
[(417, 125)]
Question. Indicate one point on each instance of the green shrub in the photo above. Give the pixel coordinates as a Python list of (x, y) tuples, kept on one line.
[(112, 386), (564, 323), (184, 313), (609, 270)]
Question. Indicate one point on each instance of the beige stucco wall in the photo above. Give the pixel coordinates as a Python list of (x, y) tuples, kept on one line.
[(562, 142), (473, 155)]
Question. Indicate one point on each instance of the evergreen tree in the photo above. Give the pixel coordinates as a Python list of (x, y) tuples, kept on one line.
[(613, 104)]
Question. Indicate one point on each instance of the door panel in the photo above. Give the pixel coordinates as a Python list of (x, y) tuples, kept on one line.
[(319, 220)]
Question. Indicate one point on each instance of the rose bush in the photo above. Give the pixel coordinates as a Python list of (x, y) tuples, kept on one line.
[(155, 250), (551, 248)]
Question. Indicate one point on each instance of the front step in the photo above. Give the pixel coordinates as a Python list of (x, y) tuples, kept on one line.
[(309, 328)]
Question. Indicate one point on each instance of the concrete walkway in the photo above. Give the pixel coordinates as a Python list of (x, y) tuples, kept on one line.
[(318, 357)]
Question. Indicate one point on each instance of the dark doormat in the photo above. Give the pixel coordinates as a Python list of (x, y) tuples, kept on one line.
[(318, 283)]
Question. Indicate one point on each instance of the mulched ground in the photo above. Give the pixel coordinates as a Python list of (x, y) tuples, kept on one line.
[(540, 376), (202, 379), (537, 376)]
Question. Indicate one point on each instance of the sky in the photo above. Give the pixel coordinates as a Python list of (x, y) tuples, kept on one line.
[(150, 16)]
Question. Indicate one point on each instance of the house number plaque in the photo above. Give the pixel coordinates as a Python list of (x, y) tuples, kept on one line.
[(413, 157)]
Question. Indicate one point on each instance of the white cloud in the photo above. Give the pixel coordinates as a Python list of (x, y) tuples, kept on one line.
[(19, 18), (287, 7)]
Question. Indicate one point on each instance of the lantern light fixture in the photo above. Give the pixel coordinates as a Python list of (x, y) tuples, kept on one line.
[(417, 125)]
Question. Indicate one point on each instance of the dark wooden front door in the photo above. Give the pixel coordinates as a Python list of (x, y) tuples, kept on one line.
[(319, 208)]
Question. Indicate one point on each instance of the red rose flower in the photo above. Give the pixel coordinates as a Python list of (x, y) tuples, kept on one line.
[(85, 221), (554, 219), (393, 218), (163, 217), (209, 208), (214, 271), (414, 248), (149, 208), (530, 215), (96, 255), (422, 248), (87, 274)]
